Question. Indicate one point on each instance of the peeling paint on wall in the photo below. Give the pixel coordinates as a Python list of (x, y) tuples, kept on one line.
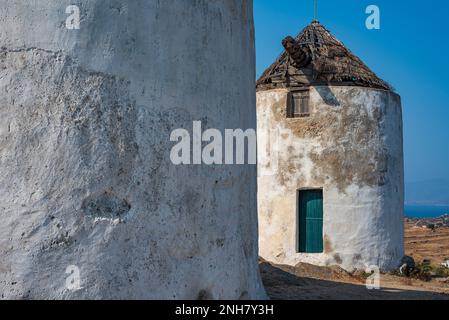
[(351, 146)]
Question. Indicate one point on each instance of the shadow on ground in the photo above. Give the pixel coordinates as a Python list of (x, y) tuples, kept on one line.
[(281, 283)]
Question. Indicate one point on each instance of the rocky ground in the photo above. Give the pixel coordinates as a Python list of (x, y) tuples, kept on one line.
[(425, 239), (428, 239)]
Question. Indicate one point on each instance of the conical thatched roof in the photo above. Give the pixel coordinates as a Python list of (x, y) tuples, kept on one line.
[(316, 57)]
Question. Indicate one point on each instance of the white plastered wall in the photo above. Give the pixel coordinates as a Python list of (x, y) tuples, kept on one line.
[(351, 147)]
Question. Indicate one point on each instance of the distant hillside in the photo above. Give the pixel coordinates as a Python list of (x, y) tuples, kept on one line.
[(427, 193)]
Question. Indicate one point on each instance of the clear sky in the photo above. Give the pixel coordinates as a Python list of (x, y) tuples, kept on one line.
[(410, 51)]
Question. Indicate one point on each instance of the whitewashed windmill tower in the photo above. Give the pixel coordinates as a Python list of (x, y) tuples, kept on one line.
[(86, 182), (330, 185)]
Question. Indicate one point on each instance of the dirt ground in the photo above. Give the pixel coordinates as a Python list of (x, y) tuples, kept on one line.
[(308, 282), (422, 243)]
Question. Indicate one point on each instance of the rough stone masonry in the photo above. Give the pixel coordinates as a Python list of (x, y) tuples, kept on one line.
[(86, 181)]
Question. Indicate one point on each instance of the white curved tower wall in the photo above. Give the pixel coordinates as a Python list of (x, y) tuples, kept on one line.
[(350, 147), (86, 182)]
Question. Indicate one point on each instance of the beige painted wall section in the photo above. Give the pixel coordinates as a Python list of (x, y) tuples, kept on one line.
[(351, 147)]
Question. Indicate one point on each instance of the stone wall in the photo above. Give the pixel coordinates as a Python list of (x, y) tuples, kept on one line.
[(86, 181), (351, 147)]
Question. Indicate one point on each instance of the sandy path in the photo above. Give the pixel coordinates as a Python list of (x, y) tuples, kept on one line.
[(305, 282)]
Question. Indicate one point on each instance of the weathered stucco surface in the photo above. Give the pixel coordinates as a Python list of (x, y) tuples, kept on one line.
[(85, 172), (351, 147)]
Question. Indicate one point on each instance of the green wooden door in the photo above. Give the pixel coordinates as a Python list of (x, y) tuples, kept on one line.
[(310, 211)]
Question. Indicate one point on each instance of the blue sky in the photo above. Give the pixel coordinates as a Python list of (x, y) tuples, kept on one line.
[(409, 51)]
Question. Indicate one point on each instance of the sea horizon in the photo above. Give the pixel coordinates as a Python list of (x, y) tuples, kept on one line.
[(425, 211)]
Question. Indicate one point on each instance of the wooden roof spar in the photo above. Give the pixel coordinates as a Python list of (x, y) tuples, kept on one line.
[(316, 57)]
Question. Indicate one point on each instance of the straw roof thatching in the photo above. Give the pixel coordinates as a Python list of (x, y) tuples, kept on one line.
[(316, 57)]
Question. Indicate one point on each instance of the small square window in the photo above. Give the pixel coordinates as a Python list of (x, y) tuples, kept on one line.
[(299, 104)]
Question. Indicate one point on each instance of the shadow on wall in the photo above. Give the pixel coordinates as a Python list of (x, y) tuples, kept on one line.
[(328, 96), (285, 285)]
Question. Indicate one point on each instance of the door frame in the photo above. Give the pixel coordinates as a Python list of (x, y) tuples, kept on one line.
[(298, 220)]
